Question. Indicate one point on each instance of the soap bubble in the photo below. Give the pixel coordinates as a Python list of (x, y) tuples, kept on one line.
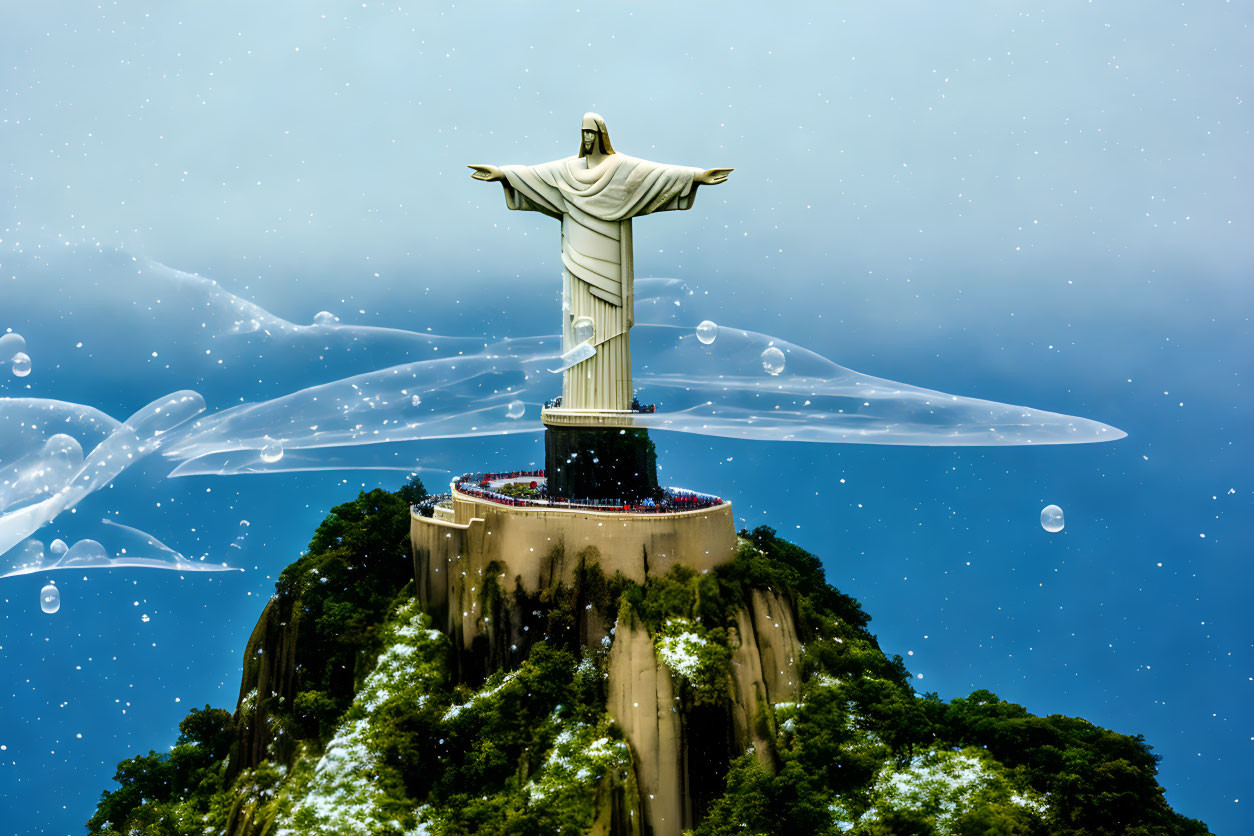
[(272, 451), (50, 599), (242, 536), (57, 547), (773, 360), (85, 552), (11, 344), (415, 401), (583, 329), (1051, 519), (515, 409), (21, 364), (707, 332), (325, 318)]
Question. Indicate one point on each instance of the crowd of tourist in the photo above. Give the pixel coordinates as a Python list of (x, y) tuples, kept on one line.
[(426, 508), (479, 485), (486, 479)]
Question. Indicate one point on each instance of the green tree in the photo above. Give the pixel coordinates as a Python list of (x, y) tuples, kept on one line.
[(210, 729), (143, 777), (763, 802), (413, 491), (898, 823)]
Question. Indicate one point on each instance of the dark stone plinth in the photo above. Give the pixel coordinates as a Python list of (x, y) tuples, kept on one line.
[(596, 463)]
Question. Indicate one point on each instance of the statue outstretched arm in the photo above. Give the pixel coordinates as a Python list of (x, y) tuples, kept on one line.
[(523, 189), (709, 177), (488, 173)]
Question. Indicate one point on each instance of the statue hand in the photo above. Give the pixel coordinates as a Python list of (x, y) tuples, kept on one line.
[(486, 172), (712, 176)]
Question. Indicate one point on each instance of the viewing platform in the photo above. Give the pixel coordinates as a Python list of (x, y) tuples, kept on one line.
[(488, 518), (528, 489)]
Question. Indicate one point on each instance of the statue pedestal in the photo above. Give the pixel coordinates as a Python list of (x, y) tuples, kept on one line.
[(558, 416)]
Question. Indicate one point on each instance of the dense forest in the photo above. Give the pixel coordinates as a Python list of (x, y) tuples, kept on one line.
[(354, 721)]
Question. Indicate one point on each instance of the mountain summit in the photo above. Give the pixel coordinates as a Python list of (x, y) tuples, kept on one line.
[(744, 697)]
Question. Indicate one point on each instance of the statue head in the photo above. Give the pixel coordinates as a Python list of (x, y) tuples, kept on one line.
[(595, 136)]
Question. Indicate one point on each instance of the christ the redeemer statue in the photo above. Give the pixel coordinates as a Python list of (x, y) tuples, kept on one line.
[(595, 195)]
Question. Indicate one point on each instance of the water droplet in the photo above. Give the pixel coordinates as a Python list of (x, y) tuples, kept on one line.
[(325, 318), (515, 409), (57, 547), (707, 332), (50, 599), (272, 451), (1051, 519), (773, 360), (415, 400), (21, 364), (583, 329)]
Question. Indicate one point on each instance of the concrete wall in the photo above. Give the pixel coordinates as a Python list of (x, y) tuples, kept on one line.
[(451, 558)]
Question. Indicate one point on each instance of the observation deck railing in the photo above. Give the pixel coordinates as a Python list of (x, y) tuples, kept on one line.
[(479, 486)]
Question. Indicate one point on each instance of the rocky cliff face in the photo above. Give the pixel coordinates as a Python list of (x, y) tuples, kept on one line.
[(304, 659), (269, 678), (680, 744), (496, 595), (682, 747)]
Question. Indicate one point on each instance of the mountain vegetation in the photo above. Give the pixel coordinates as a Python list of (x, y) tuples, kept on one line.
[(352, 719)]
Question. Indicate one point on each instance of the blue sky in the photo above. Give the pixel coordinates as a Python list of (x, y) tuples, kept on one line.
[(1037, 205)]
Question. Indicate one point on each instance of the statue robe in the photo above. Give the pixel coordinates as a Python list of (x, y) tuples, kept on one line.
[(595, 207)]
